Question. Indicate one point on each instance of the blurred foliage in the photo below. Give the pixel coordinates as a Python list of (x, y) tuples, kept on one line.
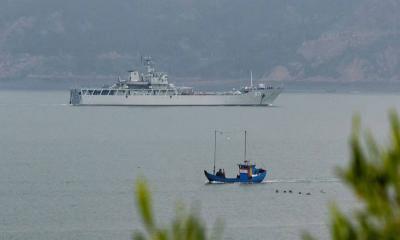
[(374, 177), (185, 226)]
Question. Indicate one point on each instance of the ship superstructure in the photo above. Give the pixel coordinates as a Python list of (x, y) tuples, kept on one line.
[(151, 88)]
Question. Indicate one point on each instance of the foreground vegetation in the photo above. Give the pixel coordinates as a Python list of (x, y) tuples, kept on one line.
[(373, 175), (185, 226)]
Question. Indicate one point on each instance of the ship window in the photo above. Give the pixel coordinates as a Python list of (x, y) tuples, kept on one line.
[(112, 92), (96, 92), (105, 92), (84, 92), (90, 92)]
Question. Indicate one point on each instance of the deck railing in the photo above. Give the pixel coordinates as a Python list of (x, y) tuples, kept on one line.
[(160, 92)]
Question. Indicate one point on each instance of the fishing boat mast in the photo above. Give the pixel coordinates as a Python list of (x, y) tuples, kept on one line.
[(245, 143), (215, 148)]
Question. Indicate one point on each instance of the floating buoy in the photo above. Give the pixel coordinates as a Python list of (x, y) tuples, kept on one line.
[(284, 191), (299, 192), (308, 193), (276, 190), (290, 191)]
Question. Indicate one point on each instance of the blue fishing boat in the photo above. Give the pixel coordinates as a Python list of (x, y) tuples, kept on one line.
[(248, 173)]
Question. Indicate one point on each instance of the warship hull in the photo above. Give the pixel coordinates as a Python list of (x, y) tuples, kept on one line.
[(254, 98)]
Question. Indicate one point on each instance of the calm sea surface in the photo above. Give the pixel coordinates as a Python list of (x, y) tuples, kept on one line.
[(69, 172)]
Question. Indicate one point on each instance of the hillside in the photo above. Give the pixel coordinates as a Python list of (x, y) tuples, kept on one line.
[(216, 41)]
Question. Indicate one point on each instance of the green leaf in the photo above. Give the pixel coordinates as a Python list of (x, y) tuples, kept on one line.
[(143, 201)]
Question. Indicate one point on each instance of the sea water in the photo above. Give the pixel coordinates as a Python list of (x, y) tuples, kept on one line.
[(69, 172)]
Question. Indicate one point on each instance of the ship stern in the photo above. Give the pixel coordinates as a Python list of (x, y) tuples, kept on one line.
[(75, 97)]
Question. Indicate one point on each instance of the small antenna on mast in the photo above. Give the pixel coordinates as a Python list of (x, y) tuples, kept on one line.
[(251, 79)]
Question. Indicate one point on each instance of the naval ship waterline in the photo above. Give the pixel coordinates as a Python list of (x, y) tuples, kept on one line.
[(151, 88)]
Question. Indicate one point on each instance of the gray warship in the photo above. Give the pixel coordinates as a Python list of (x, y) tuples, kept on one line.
[(151, 88)]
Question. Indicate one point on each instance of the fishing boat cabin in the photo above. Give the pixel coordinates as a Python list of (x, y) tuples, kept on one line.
[(247, 171)]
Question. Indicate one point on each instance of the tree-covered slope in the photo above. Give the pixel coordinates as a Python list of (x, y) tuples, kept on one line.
[(219, 39)]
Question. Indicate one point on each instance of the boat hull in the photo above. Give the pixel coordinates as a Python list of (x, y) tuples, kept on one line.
[(255, 179), (258, 98)]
